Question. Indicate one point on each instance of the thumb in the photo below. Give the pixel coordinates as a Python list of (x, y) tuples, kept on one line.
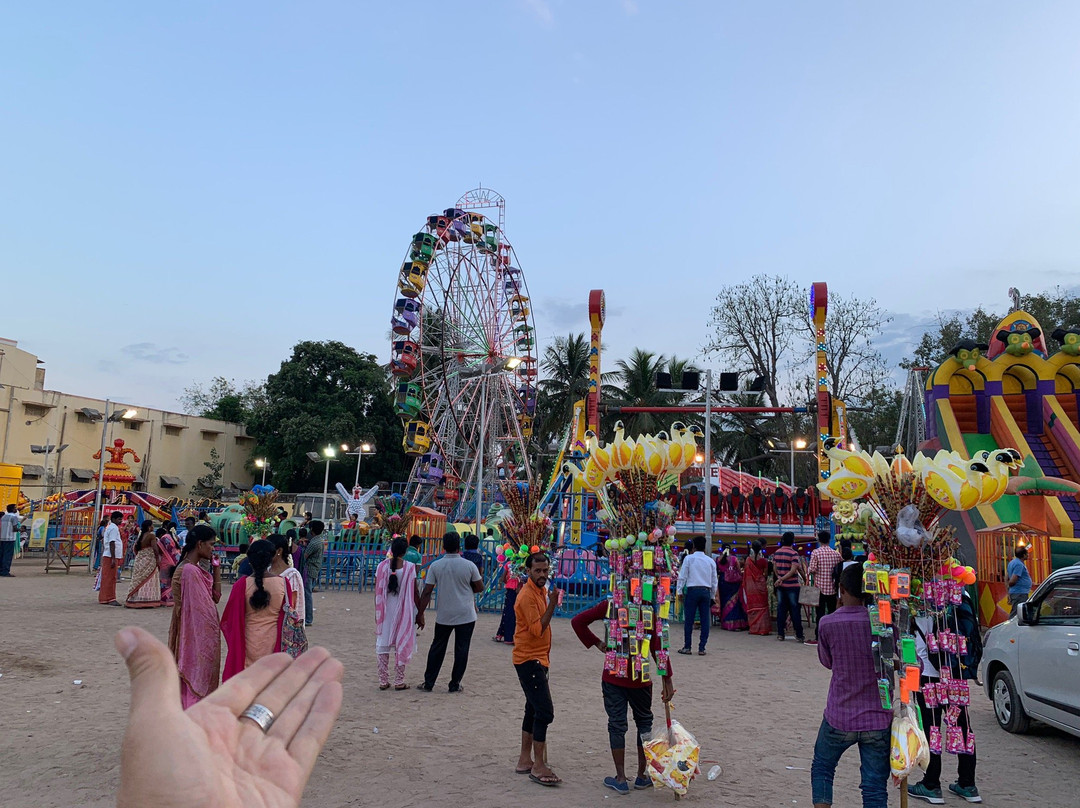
[(154, 679)]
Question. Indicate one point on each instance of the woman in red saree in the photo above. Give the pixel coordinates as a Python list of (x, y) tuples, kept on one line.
[(755, 593), (255, 613), (194, 635), (168, 558), (145, 591)]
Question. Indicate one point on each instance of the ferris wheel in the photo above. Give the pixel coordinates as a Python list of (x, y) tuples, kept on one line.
[(463, 356)]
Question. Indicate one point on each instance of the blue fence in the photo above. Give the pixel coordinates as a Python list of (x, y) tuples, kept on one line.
[(584, 578)]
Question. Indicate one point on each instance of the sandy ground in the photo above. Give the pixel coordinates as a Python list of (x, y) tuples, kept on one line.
[(753, 703)]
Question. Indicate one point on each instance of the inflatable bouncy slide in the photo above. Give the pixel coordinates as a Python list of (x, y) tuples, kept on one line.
[(1012, 391)]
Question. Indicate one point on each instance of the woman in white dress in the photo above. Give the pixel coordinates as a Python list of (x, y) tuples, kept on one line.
[(283, 565), (395, 614)]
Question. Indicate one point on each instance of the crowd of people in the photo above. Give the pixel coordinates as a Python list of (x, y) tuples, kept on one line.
[(264, 614), (757, 593)]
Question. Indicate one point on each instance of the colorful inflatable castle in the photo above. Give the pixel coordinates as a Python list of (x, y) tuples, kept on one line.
[(1013, 391)]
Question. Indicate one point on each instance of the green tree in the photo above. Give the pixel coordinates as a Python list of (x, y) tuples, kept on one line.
[(327, 393), (223, 399), (635, 386), (1056, 308), (565, 366), (209, 485), (754, 327)]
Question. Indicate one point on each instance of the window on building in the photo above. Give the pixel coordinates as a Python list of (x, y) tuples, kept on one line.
[(82, 417), (173, 431), (134, 426)]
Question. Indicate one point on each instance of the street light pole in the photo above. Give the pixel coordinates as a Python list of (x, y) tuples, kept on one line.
[(329, 453), (100, 476), (793, 444), (262, 464), (480, 458), (361, 450), (708, 462)]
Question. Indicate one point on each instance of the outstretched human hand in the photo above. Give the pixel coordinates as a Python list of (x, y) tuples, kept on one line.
[(207, 755)]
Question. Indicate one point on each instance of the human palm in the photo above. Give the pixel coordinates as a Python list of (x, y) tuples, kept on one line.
[(207, 755)]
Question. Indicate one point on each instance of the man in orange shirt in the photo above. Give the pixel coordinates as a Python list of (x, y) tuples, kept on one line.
[(532, 644)]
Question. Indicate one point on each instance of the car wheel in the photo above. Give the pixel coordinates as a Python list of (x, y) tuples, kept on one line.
[(1007, 707)]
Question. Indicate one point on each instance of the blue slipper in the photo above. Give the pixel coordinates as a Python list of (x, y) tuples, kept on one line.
[(616, 786)]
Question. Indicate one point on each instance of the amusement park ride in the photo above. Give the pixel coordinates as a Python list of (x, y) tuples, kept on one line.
[(464, 360), (463, 357)]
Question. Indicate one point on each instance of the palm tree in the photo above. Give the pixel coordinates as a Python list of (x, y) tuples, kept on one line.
[(565, 366), (636, 387)]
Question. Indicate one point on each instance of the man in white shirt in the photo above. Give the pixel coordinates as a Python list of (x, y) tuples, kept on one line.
[(458, 581), (112, 556), (9, 534), (698, 586)]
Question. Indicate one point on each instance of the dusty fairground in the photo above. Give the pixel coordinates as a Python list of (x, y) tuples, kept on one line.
[(753, 703)]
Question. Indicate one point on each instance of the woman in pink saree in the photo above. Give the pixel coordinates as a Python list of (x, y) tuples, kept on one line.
[(194, 636), (755, 592), (168, 558), (395, 614)]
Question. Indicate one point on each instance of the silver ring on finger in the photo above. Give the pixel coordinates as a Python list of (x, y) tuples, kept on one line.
[(261, 715)]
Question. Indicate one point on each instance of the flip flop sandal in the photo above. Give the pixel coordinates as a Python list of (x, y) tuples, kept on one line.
[(400, 687), (523, 771), (384, 687), (701, 653), (548, 780)]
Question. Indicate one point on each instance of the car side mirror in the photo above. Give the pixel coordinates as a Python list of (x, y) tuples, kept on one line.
[(1027, 614)]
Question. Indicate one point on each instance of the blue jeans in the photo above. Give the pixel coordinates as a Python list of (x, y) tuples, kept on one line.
[(787, 603), (309, 604), (7, 553), (697, 603), (873, 764)]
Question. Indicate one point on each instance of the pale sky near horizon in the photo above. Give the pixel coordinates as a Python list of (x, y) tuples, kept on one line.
[(187, 190)]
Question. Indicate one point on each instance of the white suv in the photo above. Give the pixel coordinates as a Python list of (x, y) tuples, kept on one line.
[(1031, 664)]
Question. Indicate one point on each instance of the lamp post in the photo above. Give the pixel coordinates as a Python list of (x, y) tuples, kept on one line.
[(262, 464), (361, 450), (46, 450), (107, 419), (708, 462), (793, 445), (329, 454)]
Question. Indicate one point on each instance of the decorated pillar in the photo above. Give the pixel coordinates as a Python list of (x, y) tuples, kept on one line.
[(596, 327), (819, 304)]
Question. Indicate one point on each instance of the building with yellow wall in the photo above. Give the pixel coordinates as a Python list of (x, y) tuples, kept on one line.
[(53, 437)]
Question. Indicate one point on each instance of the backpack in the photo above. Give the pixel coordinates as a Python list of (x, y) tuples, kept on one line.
[(838, 568), (960, 619), (965, 621)]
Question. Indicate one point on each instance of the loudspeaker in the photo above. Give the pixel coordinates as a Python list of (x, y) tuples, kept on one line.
[(729, 381)]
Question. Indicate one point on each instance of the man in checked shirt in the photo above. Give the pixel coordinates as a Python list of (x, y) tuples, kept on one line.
[(853, 711), (822, 563)]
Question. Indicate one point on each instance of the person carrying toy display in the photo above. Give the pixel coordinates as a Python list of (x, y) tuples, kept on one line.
[(643, 585), (924, 633), (622, 692)]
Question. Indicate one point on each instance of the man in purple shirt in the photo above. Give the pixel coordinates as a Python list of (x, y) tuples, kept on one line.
[(853, 712)]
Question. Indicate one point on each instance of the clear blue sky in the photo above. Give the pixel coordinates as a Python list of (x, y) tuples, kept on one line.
[(188, 189)]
